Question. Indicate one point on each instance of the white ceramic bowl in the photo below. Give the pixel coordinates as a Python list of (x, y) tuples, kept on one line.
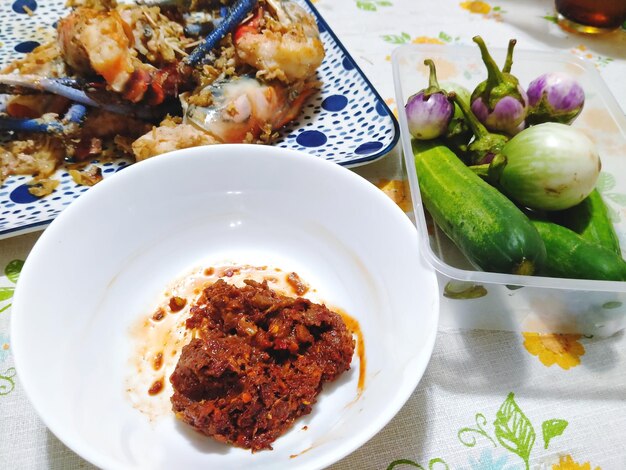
[(99, 267)]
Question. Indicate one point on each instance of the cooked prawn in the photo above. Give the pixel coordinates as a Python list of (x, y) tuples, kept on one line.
[(243, 108), (108, 54), (284, 44), (96, 41), (126, 46), (167, 138)]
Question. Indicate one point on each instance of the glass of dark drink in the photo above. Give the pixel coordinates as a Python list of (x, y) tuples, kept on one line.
[(591, 16)]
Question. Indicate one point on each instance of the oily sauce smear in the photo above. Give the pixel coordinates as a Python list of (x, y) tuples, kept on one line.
[(353, 326), (164, 334)]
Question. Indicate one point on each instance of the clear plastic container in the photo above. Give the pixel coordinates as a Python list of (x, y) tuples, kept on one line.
[(476, 299)]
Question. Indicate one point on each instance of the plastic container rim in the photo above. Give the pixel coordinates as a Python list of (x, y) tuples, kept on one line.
[(416, 198)]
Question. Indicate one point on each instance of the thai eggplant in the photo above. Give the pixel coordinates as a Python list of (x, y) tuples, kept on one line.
[(554, 97), (429, 111), (459, 131), (499, 102), (549, 166)]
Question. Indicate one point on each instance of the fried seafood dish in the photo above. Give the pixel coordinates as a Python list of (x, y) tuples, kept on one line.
[(147, 77), (256, 363)]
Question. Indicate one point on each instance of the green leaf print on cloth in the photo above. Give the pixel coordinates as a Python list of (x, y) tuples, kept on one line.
[(12, 272), (481, 421), (401, 38), (7, 377), (551, 18), (433, 464), (7, 384), (513, 430), (6, 293), (605, 185), (372, 5), (552, 428), (13, 269)]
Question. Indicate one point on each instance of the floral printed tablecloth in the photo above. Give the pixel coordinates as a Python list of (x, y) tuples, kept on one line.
[(489, 400)]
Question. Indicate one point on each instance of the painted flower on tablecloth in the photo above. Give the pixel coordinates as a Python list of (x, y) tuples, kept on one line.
[(483, 8), (582, 52), (581, 49), (563, 350), (442, 38), (427, 40), (398, 191), (487, 461), (391, 103), (405, 38), (566, 462), (476, 6), (4, 348)]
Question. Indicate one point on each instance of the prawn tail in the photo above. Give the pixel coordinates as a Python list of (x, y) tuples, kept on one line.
[(294, 107), (155, 86)]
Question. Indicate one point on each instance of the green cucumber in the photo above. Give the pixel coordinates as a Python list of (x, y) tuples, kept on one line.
[(590, 220), (571, 256), (484, 224)]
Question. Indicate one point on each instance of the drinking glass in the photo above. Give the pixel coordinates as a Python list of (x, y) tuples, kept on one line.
[(591, 16)]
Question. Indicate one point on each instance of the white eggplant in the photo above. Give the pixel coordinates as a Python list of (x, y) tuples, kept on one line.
[(548, 167)]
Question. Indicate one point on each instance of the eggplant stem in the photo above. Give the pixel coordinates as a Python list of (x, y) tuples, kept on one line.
[(508, 63), (433, 84), (475, 125), (494, 75), (481, 170)]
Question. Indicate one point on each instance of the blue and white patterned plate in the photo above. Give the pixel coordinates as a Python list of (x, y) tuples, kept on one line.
[(347, 122)]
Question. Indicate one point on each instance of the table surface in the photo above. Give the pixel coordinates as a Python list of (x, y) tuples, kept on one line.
[(568, 392)]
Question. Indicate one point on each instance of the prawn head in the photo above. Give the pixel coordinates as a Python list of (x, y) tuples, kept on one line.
[(93, 41), (243, 108), (101, 43), (282, 42)]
